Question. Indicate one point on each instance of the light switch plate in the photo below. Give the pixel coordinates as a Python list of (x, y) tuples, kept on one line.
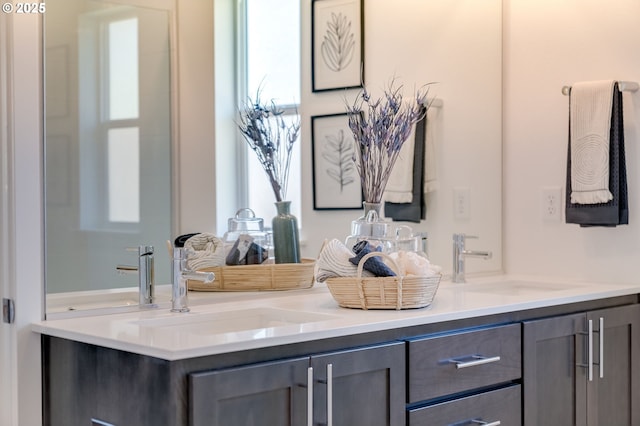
[(462, 202)]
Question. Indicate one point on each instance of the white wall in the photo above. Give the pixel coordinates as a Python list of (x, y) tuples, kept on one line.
[(457, 44), (197, 203), (548, 44)]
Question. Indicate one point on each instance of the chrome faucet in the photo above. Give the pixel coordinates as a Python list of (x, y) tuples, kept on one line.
[(460, 253), (146, 275), (181, 273)]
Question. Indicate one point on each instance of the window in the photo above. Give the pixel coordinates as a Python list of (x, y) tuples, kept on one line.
[(122, 77), (269, 45), (120, 121), (123, 170)]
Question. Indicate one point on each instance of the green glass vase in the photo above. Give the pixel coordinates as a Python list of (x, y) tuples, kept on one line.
[(286, 240)]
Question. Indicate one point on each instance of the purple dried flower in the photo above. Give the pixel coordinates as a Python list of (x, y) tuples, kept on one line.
[(380, 127)]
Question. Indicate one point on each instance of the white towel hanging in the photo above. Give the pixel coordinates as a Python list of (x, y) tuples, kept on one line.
[(591, 104)]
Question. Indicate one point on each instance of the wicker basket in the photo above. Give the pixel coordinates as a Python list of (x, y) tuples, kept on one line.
[(271, 276), (383, 292)]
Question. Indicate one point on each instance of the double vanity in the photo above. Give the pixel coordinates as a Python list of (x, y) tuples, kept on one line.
[(495, 351)]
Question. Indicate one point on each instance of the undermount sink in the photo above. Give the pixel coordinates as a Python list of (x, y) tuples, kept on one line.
[(518, 288), (208, 323)]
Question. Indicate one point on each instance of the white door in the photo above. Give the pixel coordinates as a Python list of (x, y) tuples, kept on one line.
[(6, 331), (20, 217), (6, 337)]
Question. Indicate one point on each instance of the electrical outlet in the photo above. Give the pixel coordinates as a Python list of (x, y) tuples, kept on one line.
[(551, 203), (462, 203)]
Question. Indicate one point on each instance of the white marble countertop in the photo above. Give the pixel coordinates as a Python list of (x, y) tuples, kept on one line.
[(228, 322)]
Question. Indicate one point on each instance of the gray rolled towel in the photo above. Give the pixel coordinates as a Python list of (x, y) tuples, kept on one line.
[(375, 265)]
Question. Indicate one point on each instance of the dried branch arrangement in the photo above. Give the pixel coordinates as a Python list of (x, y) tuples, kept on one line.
[(270, 136), (380, 127)]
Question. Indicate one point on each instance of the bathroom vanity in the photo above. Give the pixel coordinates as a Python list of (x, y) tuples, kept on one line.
[(507, 350)]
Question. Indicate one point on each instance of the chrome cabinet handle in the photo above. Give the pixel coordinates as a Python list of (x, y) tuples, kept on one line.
[(590, 350), (329, 394), (601, 336), (589, 364), (310, 396), (476, 360)]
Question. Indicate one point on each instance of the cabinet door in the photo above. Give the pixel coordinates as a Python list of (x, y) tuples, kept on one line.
[(273, 394), (360, 387), (554, 376), (614, 391)]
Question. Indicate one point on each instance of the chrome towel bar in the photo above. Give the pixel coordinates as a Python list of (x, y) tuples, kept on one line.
[(623, 86)]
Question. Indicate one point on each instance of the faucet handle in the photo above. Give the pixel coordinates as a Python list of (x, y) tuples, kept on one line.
[(142, 250), (460, 237), (126, 269)]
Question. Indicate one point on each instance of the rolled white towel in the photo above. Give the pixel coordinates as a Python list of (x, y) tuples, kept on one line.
[(333, 262), (204, 251)]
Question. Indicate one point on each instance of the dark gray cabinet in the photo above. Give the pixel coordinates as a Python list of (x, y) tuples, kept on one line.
[(466, 377), (272, 393), (363, 386), (457, 362), (91, 385), (367, 386), (528, 367), (583, 369)]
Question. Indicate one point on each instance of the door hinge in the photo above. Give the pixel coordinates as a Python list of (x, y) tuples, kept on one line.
[(8, 311)]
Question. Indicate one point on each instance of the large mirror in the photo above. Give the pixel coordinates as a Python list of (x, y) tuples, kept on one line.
[(110, 155), (108, 143)]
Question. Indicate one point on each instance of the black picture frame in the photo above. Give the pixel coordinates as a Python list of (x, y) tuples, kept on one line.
[(337, 44), (336, 182)]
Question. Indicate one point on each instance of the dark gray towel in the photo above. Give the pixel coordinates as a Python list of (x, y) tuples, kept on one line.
[(375, 264), (616, 211), (416, 209)]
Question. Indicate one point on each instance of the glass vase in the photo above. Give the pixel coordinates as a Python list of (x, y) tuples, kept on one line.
[(370, 224), (286, 241), (370, 227)]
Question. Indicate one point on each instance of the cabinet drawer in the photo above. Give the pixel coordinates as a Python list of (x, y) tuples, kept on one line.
[(502, 405), (447, 364)]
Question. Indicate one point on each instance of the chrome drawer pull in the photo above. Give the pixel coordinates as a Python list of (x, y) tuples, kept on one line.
[(475, 360), (483, 423), (329, 394), (310, 396), (601, 335), (590, 354)]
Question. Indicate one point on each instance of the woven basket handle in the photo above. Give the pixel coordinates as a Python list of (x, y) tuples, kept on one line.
[(394, 265)]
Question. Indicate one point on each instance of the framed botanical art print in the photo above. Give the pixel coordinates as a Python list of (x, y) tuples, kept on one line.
[(337, 44), (336, 182)]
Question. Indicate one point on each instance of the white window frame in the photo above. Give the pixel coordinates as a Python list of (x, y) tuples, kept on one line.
[(242, 96)]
